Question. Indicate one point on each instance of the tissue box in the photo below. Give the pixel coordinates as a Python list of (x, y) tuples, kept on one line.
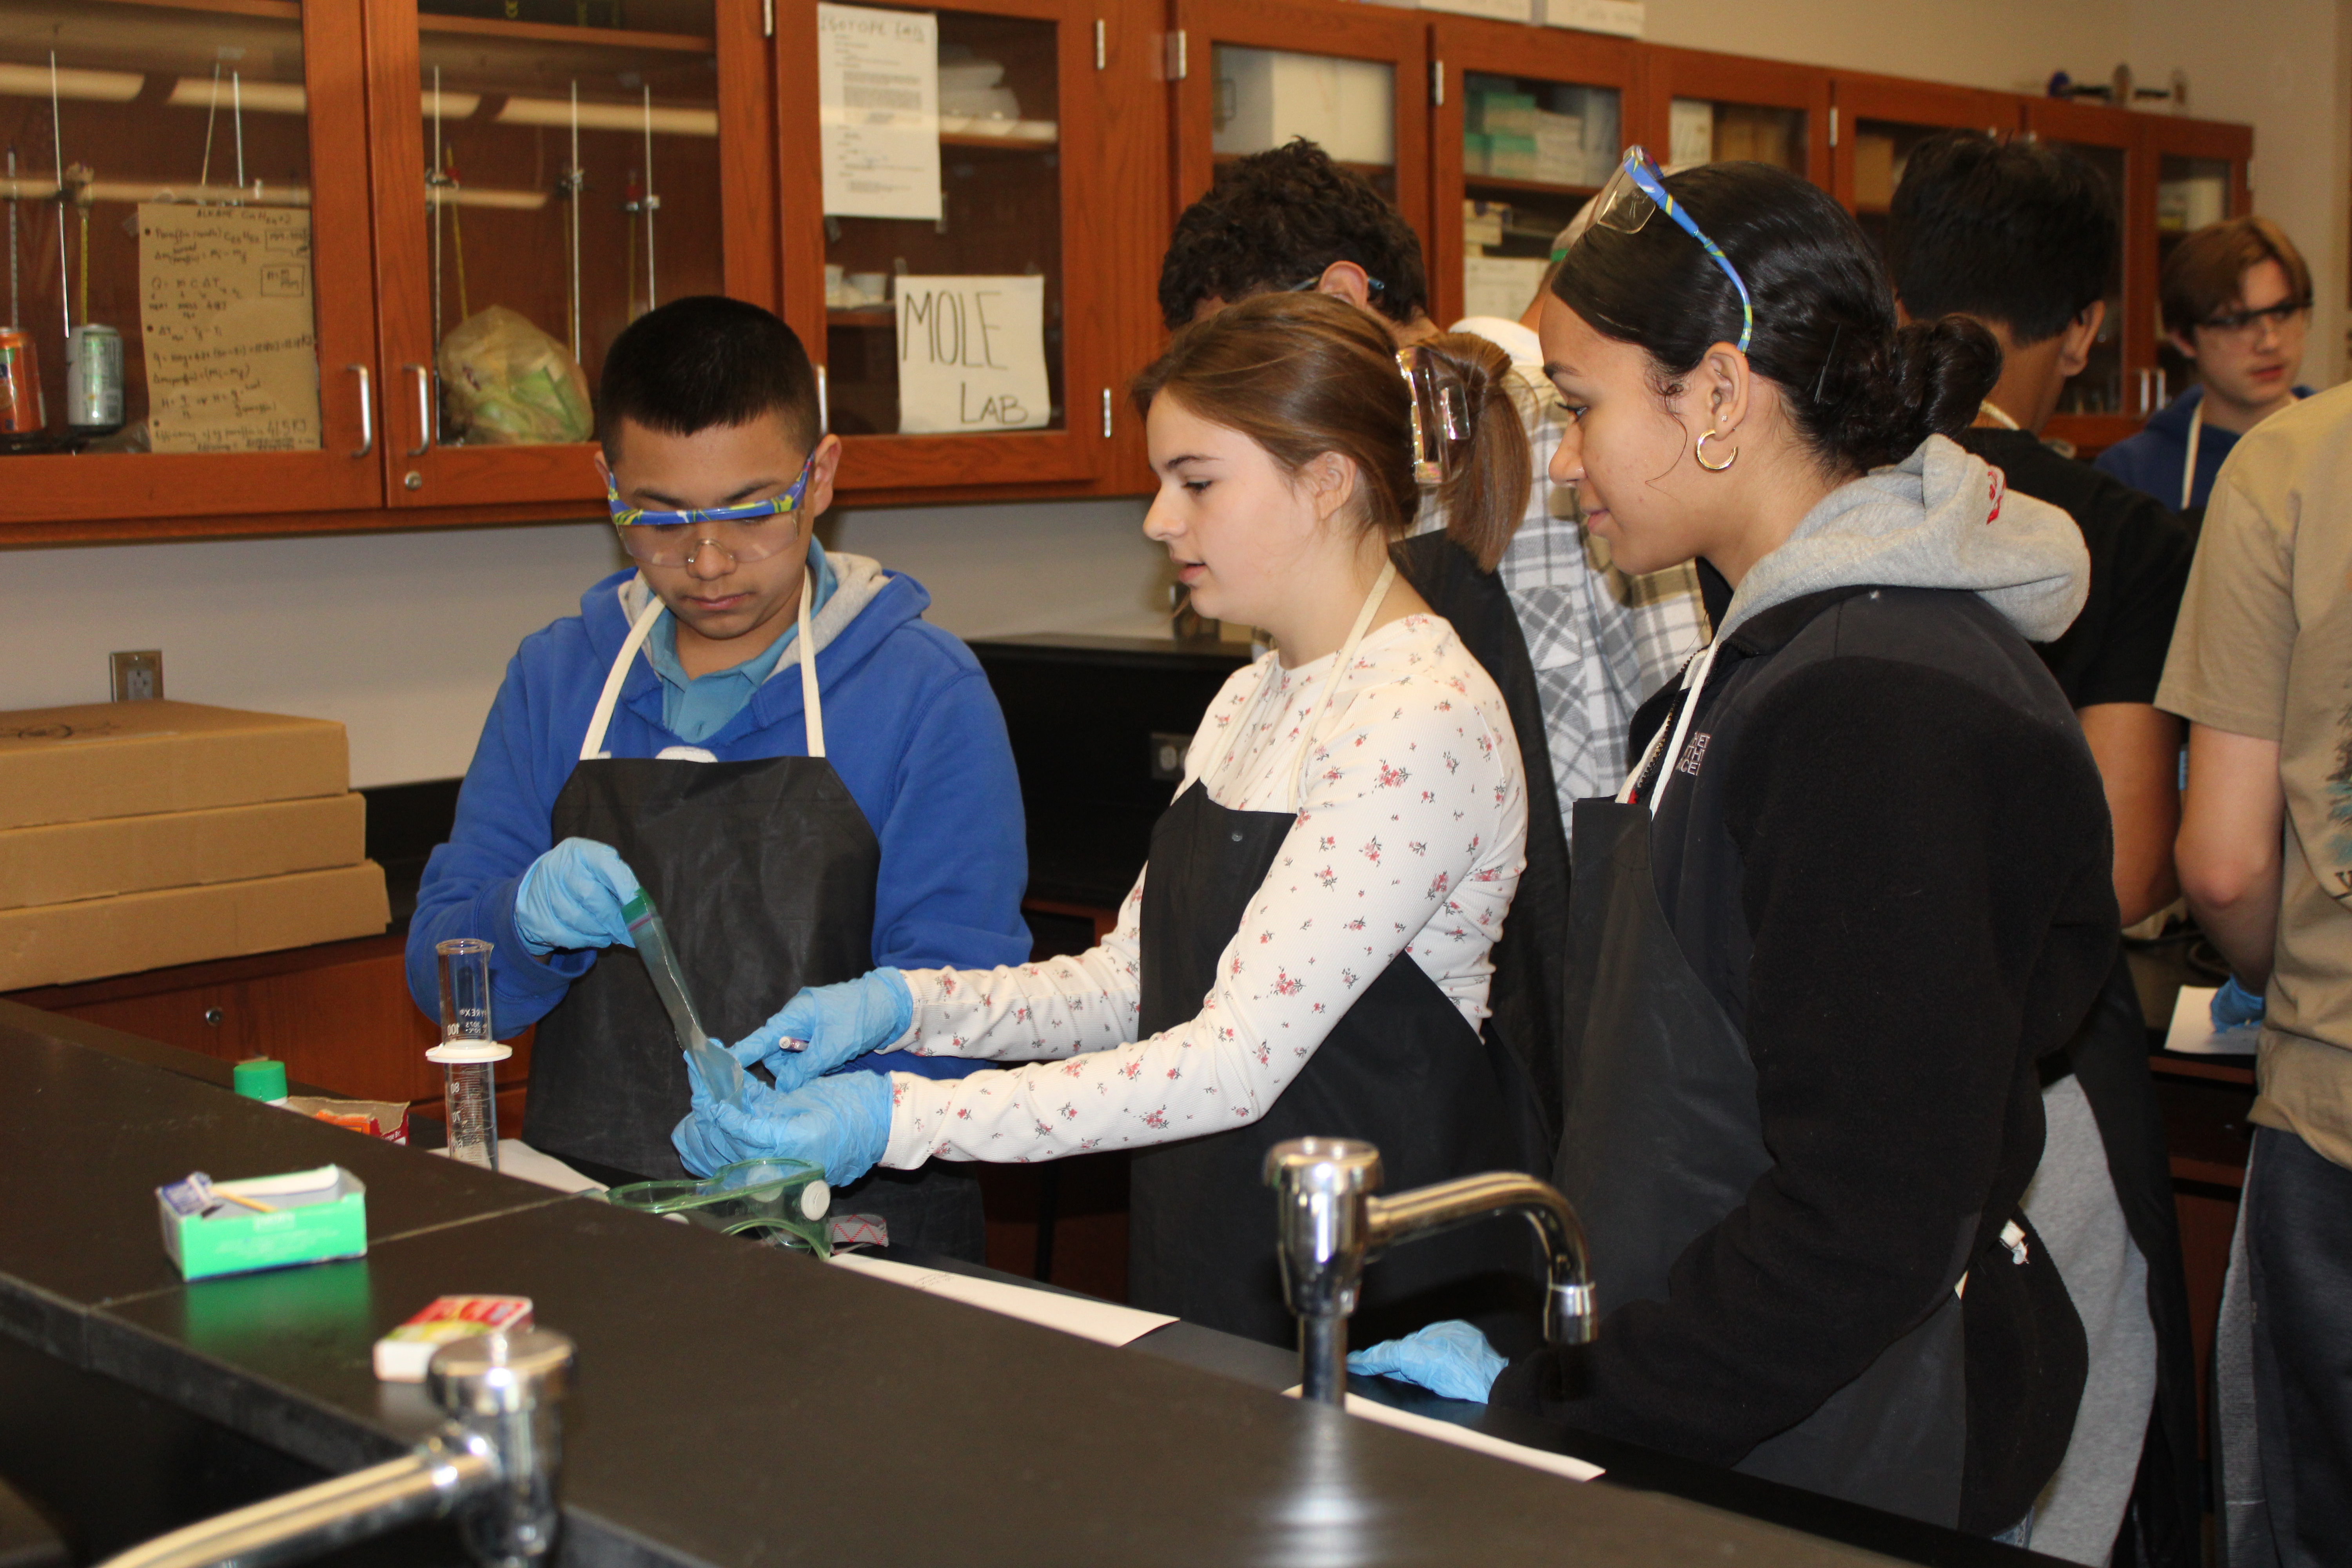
[(321, 1215)]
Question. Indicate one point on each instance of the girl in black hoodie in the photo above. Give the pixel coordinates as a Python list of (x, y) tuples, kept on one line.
[(1855, 888)]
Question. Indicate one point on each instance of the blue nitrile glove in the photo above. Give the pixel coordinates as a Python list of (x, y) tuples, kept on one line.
[(1451, 1358), (841, 1123), (2233, 1006), (837, 1023), (572, 898)]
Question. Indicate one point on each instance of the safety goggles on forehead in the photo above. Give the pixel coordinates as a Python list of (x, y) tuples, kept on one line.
[(1637, 191), (749, 532)]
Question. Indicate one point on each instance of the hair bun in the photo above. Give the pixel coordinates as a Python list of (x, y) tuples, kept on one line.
[(1929, 379)]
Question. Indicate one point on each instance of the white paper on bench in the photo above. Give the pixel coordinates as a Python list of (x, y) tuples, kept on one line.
[(1104, 1322), (1574, 1469)]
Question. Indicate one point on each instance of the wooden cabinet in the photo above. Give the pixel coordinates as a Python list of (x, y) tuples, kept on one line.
[(423, 155), (1250, 75), (1876, 121), (166, 156), (337, 1015), (2190, 173), (569, 177), (1037, 189), (1703, 106), (2107, 400), (1528, 124)]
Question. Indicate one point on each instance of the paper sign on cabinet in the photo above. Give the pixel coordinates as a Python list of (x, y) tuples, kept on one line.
[(230, 336), (972, 354), (877, 82)]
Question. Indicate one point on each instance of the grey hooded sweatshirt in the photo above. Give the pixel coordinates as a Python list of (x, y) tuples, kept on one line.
[(1884, 851)]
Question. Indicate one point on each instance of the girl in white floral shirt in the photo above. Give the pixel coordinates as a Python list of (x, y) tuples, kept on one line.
[(1348, 830)]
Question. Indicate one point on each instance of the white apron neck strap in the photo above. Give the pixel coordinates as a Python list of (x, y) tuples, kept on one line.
[(593, 746), (1695, 674), (812, 708), (1340, 668), (2189, 464)]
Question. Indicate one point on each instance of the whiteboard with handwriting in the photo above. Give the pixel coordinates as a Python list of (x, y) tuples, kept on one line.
[(229, 327)]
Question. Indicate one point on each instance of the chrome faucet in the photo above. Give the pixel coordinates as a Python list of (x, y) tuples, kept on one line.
[(1329, 1226), (493, 1464)]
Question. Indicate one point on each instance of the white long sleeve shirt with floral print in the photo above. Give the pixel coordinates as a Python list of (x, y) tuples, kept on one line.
[(1409, 837)]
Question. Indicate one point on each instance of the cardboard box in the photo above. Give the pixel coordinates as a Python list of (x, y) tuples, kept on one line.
[(68, 862), (57, 945), (1621, 16), (1501, 10), (135, 759)]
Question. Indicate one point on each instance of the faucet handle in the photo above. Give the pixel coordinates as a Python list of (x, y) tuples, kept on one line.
[(494, 1374), (1323, 1194), (1324, 1164)]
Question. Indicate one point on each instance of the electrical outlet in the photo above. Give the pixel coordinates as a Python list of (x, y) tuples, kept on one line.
[(137, 676), (1168, 756)]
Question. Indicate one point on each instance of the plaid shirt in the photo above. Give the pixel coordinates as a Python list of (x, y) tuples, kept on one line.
[(1601, 642)]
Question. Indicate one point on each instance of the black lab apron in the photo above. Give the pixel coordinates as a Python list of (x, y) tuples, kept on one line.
[(1401, 1069), (763, 872), (1663, 1138)]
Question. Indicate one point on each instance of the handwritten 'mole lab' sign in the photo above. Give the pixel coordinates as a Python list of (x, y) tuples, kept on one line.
[(972, 354)]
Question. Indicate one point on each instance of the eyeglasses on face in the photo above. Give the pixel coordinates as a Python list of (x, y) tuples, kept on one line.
[(2244, 323)]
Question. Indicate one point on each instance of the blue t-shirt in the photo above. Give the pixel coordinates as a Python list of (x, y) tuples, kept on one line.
[(694, 708)]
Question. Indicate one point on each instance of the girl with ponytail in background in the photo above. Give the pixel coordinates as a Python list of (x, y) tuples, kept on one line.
[(1306, 950), (1854, 889)]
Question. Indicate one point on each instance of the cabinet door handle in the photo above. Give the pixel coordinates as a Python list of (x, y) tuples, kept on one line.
[(2143, 394), (424, 408), (367, 412), (2162, 396), (824, 414), (213, 1016)]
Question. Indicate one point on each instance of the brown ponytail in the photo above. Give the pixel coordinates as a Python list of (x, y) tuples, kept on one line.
[(1302, 375), (1485, 495)]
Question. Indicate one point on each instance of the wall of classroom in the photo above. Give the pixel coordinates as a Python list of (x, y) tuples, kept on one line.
[(403, 637)]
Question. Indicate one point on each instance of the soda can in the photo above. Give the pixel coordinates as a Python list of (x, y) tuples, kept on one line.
[(93, 380), (22, 415)]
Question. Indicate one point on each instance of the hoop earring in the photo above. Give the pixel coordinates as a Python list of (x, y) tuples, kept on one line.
[(1699, 452)]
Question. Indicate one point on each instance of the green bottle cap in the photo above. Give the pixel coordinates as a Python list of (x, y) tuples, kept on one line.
[(261, 1078)]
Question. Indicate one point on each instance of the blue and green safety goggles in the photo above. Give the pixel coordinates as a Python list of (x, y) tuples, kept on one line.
[(1637, 190), (672, 538)]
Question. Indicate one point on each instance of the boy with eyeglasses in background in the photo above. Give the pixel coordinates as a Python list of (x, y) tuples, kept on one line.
[(2236, 297)]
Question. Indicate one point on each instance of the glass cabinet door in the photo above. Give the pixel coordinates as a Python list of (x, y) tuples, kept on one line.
[(1706, 109), (1531, 126), (186, 326), (944, 205), (2107, 401), (1354, 79), (547, 172), (2198, 171), (1878, 120)]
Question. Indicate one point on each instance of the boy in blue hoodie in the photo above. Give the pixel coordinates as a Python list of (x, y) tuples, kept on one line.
[(648, 741)]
